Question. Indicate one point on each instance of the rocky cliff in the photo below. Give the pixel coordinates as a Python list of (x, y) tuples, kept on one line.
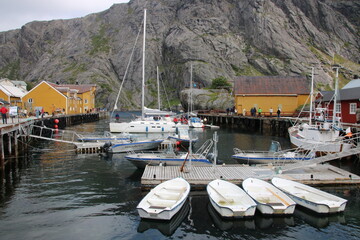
[(217, 37)]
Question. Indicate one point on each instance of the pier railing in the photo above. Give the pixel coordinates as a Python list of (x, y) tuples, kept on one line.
[(65, 136)]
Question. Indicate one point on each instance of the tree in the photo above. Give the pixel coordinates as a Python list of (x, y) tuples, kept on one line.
[(220, 82)]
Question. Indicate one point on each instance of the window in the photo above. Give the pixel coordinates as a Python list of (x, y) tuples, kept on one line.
[(30, 100), (338, 108), (352, 108), (86, 101)]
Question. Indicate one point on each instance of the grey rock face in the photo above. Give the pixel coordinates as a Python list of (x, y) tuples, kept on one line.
[(217, 37)]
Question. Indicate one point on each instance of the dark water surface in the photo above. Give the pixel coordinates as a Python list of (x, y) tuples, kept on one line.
[(58, 194)]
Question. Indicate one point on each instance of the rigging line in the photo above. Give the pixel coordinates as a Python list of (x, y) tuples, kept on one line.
[(127, 68), (167, 99)]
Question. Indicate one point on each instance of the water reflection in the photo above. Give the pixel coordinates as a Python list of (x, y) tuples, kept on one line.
[(318, 220), (167, 228)]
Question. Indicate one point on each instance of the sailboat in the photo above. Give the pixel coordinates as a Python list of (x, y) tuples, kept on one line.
[(319, 136), (194, 121), (144, 125)]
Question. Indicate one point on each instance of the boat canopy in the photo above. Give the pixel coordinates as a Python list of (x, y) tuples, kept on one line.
[(157, 112)]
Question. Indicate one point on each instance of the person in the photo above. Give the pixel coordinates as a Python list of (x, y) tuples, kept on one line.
[(271, 111), (117, 117), (278, 112), (244, 112), (4, 111), (260, 111)]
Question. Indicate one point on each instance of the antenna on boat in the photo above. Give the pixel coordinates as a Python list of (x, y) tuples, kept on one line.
[(143, 70), (311, 95), (216, 139), (158, 85), (335, 93)]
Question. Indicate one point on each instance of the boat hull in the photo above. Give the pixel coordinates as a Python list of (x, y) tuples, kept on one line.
[(141, 161), (311, 198), (229, 200), (319, 141), (143, 127), (120, 147), (165, 200), (270, 200), (265, 158)]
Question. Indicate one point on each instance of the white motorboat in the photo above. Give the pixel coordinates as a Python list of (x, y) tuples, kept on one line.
[(165, 200), (309, 197), (275, 155), (269, 199), (195, 122), (183, 137), (120, 146), (106, 137), (230, 200), (319, 136), (172, 158)]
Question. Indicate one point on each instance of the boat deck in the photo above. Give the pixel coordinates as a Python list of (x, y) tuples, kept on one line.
[(200, 176)]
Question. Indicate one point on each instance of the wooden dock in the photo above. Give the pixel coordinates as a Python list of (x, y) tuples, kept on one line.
[(200, 176)]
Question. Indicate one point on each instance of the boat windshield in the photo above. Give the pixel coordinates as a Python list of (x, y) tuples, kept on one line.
[(275, 146)]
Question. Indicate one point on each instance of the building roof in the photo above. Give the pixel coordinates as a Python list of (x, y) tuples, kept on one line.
[(355, 83), (80, 88), (272, 85), (12, 91), (344, 94)]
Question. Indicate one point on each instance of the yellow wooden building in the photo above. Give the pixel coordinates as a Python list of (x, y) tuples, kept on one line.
[(270, 92), (60, 98), (11, 94)]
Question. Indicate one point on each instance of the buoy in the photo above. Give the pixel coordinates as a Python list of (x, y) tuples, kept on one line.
[(56, 121), (56, 126), (178, 142)]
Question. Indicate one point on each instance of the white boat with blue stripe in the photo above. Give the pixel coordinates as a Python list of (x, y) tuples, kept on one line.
[(172, 158)]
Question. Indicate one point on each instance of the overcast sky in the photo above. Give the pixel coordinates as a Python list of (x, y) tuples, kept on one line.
[(16, 13)]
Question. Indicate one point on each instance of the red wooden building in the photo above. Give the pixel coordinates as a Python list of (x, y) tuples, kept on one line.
[(348, 103)]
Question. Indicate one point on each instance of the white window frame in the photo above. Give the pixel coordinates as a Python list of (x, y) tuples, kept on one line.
[(352, 108), (338, 108), (30, 100)]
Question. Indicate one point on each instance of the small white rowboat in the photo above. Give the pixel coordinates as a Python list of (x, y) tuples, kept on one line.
[(269, 199), (309, 197), (230, 200), (165, 200)]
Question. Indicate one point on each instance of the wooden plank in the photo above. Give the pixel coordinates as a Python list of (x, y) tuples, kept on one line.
[(202, 175)]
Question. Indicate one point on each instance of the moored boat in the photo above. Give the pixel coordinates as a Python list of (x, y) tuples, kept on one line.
[(171, 158), (230, 200), (120, 146), (309, 197), (165, 200), (275, 155), (269, 199)]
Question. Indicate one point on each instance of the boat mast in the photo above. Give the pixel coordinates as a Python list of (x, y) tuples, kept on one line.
[(158, 85), (143, 71), (335, 94), (311, 95), (191, 85)]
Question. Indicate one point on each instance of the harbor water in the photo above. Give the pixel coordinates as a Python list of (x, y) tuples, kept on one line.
[(58, 194)]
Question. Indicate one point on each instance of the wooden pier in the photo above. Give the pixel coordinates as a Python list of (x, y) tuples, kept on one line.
[(15, 135), (266, 125), (200, 176)]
